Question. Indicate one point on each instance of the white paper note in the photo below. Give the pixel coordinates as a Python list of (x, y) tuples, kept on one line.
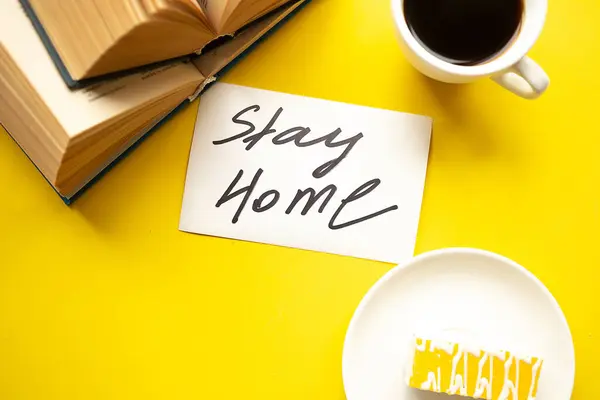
[(259, 159)]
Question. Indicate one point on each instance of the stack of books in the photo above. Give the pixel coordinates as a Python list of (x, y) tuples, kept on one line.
[(82, 81)]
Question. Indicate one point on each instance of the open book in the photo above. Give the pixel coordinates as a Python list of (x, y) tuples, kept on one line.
[(92, 38), (73, 134)]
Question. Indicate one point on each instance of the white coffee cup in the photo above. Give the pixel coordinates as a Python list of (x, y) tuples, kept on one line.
[(511, 69)]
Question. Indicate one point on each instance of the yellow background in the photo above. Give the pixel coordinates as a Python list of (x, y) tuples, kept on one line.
[(106, 299)]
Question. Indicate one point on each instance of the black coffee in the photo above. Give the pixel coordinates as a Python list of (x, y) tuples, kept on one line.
[(463, 32)]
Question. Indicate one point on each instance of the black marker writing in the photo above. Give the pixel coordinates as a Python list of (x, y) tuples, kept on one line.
[(360, 192), (270, 198), (247, 190), (313, 197), (258, 207), (329, 142), (295, 134), (267, 130), (236, 120)]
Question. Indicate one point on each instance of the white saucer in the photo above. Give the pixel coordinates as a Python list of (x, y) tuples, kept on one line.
[(462, 294)]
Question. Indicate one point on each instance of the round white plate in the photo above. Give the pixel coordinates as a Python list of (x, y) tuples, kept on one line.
[(456, 294)]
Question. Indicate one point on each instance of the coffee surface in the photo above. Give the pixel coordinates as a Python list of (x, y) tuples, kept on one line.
[(464, 32)]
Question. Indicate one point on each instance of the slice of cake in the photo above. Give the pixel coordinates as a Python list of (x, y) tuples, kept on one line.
[(456, 369)]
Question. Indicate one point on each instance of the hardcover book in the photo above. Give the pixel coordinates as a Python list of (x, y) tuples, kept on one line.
[(72, 135), (89, 38)]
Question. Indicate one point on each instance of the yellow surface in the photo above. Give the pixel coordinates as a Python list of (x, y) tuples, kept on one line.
[(108, 300), (451, 368)]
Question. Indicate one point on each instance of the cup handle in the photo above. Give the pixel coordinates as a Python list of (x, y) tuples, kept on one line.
[(526, 79)]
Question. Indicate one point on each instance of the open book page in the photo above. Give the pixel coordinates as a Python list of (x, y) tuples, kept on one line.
[(213, 61), (191, 5), (246, 11), (202, 4), (230, 8), (72, 39), (94, 38), (198, 11), (79, 110), (214, 10), (184, 11), (227, 16)]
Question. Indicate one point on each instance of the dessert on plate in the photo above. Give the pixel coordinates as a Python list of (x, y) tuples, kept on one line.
[(459, 369)]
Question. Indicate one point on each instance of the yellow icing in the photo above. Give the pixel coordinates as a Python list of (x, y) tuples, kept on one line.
[(451, 368)]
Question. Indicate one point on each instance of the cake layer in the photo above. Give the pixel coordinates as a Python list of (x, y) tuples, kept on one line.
[(456, 369)]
